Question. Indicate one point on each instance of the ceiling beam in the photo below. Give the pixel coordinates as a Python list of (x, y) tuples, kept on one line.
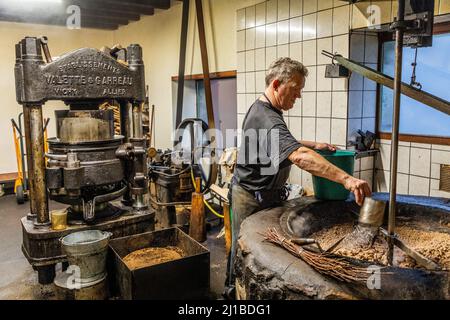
[(123, 6), (159, 4), (108, 14), (85, 23)]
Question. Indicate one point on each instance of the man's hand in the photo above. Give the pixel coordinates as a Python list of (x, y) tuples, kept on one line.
[(324, 146), (360, 188)]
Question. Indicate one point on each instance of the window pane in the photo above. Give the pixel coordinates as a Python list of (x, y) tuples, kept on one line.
[(433, 72)]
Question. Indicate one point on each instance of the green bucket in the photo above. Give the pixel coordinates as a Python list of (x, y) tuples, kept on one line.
[(325, 189)]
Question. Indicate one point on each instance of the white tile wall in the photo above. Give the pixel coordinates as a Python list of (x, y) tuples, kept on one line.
[(420, 162), (339, 131), (295, 126), (309, 26), (323, 129), (260, 59), (271, 55), (260, 14), (250, 39), (311, 81), (241, 61), (339, 104), (324, 44), (341, 18), (283, 50), (250, 17), (296, 111), (340, 45), (250, 82), (402, 183), (301, 30), (260, 81), (240, 83), (309, 6), (260, 37), (308, 129), (283, 9), (240, 19), (241, 103), (403, 159), (324, 104), (309, 52), (271, 34), (324, 4), (324, 23), (283, 32), (295, 29), (250, 60), (419, 186), (240, 40), (296, 51), (435, 170), (323, 84), (309, 104), (296, 8), (272, 11)]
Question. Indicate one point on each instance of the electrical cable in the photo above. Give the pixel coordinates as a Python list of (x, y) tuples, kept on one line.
[(204, 201)]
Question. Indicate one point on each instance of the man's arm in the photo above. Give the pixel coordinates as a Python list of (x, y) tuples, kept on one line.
[(318, 145), (317, 165)]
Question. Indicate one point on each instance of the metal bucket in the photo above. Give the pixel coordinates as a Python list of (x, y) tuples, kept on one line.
[(87, 250), (372, 212)]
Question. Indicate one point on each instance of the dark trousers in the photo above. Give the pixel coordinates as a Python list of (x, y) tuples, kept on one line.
[(243, 204)]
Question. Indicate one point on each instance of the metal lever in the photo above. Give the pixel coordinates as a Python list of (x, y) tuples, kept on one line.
[(44, 44)]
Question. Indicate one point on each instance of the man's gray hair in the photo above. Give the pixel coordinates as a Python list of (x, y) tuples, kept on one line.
[(284, 69)]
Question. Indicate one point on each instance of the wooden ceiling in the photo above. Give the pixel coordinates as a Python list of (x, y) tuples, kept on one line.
[(97, 14)]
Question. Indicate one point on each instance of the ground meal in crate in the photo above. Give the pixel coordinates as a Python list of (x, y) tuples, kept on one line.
[(433, 245), (151, 256)]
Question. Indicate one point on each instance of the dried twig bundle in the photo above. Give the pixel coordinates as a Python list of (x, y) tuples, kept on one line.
[(327, 264)]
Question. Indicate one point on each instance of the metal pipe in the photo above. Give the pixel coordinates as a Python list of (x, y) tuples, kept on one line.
[(385, 80), (125, 131), (182, 62), (395, 126), (38, 163), (24, 173), (27, 133), (137, 121), (139, 201)]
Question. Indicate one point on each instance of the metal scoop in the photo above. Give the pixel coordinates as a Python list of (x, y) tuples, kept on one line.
[(370, 220), (372, 213)]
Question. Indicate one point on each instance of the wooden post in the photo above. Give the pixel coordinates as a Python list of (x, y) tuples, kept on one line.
[(197, 226), (227, 224)]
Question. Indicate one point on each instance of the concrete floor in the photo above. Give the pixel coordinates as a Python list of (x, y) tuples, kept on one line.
[(18, 280)]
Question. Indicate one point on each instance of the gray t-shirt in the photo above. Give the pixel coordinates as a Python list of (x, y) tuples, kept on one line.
[(266, 144)]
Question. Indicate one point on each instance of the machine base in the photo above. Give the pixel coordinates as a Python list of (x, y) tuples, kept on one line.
[(41, 246)]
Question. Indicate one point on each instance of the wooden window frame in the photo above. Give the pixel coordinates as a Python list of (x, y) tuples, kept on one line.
[(213, 75), (440, 28)]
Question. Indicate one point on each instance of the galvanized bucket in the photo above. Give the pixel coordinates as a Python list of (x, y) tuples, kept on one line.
[(87, 251)]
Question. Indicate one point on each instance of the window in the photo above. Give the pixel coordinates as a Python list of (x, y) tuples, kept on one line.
[(433, 72)]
